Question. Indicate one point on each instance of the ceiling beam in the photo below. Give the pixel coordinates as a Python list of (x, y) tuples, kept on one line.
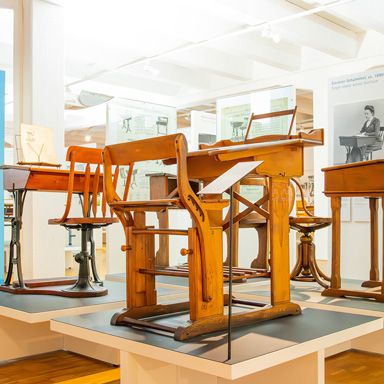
[(311, 30), (172, 74), (367, 14), (253, 46), (216, 62)]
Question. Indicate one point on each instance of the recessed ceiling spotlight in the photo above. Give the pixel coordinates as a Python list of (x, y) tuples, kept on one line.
[(87, 138), (276, 38), (268, 33)]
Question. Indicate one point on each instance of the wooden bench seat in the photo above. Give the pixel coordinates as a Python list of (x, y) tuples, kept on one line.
[(146, 205), (160, 204), (84, 220)]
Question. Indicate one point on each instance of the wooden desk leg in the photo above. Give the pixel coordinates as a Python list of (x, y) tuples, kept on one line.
[(141, 290), (159, 189), (198, 308), (336, 229), (162, 254), (235, 253), (374, 271), (15, 246), (279, 230)]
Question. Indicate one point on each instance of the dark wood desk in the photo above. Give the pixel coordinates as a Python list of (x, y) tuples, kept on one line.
[(356, 146), (363, 179), (19, 180)]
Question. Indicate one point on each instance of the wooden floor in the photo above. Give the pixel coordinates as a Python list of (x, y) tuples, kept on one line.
[(352, 367), (355, 367), (58, 367)]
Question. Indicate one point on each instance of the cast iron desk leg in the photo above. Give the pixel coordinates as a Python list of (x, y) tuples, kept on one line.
[(15, 246)]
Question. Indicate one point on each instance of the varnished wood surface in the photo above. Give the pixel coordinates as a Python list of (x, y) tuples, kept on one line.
[(353, 165), (43, 179), (58, 367), (365, 178), (282, 160), (354, 367)]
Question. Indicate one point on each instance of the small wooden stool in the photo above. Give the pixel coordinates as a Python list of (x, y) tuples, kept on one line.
[(306, 268)]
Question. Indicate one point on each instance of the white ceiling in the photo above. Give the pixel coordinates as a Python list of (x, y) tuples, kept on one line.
[(170, 50), (181, 52)]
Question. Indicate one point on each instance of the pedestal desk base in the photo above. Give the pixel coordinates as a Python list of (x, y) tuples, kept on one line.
[(339, 292), (371, 283), (145, 317), (65, 287)]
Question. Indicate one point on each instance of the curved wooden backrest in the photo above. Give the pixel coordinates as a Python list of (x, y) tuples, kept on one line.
[(91, 185), (129, 153), (84, 155), (301, 197), (156, 148)]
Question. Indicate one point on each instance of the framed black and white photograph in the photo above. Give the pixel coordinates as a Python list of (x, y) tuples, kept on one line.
[(358, 131)]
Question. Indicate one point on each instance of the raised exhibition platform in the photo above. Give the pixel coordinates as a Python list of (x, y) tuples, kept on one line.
[(269, 352), (24, 322)]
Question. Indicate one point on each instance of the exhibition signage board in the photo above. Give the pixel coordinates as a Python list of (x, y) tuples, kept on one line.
[(2, 119), (356, 115)]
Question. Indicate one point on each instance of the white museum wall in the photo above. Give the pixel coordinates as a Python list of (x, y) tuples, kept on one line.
[(39, 93), (355, 241)]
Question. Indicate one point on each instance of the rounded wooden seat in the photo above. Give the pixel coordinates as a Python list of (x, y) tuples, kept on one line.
[(309, 224), (160, 204), (306, 268), (252, 221), (146, 205)]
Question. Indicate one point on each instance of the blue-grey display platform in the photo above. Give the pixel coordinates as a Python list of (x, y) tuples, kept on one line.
[(25, 328), (172, 280), (180, 281), (248, 342), (35, 308), (254, 348), (309, 294)]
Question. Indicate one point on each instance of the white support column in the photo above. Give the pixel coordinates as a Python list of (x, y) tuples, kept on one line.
[(321, 155), (40, 99)]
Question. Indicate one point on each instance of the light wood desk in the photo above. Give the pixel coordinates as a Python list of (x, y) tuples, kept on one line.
[(282, 160)]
